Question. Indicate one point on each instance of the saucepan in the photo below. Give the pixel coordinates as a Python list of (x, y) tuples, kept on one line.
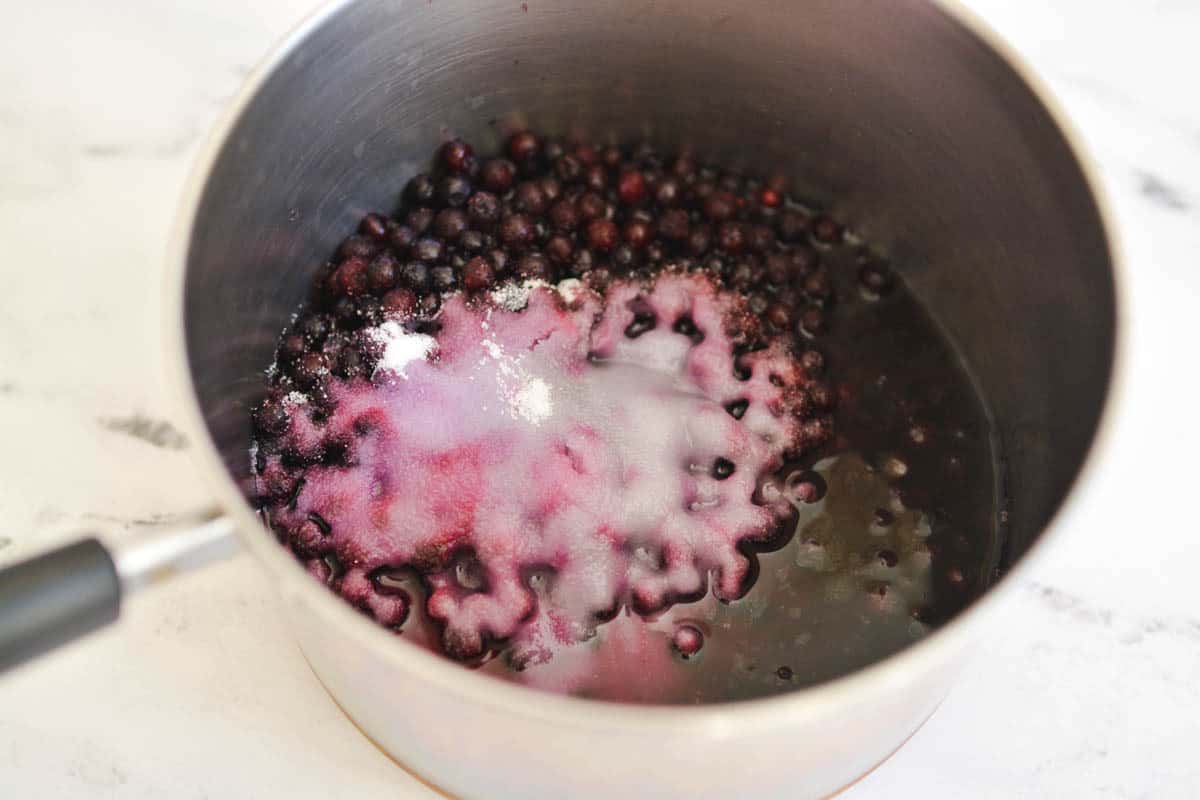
[(918, 126)]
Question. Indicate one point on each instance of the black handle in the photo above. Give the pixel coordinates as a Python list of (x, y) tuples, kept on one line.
[(54, 598)]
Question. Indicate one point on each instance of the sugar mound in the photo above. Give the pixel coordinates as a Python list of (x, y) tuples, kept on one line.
[(548, 458)]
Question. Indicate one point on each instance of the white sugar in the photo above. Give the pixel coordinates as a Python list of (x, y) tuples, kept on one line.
[(532, 401), (570, 289), (400, 347), (527, 396), (515, 296)]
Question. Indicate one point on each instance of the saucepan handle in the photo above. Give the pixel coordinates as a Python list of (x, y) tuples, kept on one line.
[(58, 596), (54, 598)]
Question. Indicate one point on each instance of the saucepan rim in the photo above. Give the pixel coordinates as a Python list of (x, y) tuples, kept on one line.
[(722, 718)]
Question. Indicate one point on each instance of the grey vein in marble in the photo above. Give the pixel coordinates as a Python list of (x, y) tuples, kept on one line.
[(147, 521), (168, 148), (1161, 193), (158, 433), (1110, 94), (1132, 631)]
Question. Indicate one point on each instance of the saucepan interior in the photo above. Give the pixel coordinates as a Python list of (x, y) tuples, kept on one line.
[(918, 133)]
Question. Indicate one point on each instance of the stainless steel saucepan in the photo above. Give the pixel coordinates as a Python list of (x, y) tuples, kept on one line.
[(922, 129)]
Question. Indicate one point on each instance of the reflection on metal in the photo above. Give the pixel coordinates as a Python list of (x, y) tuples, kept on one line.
[(164, 554)]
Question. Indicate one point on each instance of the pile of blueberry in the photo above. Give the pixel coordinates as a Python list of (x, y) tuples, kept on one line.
[(548, 210)]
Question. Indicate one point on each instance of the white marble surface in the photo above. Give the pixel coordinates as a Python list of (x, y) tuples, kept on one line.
[(1093, 689)]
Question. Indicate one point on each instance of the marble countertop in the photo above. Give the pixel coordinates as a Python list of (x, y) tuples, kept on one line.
[(1092, 689)]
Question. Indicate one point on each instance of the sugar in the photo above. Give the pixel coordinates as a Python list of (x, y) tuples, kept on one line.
[(515, 296), (528, 397), (532, 401), (571, 289), (400, 347), (547, 436)]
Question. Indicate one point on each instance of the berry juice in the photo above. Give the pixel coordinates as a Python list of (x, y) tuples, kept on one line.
[(627, 427)]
